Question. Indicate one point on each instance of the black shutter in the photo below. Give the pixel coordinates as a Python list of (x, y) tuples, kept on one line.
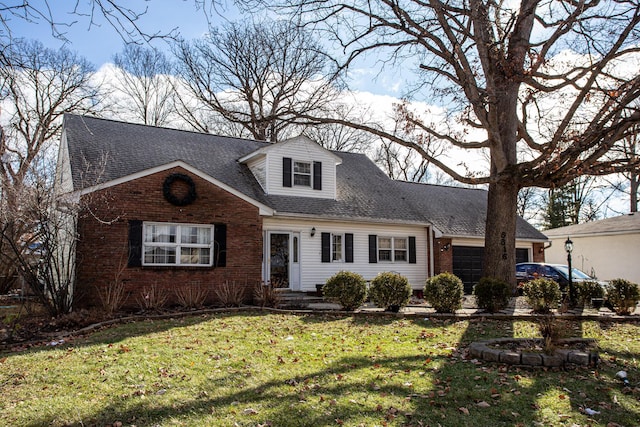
[(220, 245), (412, 250), (135, 244), (326, 247), (348, 247), (286, 172), (373, 249), (317, 175)]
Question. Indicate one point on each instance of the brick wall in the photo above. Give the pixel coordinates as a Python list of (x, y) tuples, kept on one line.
[(443, 258), (538, 252), (103, 246)]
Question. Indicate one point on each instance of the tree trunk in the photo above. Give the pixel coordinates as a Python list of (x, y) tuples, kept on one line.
[(500, 233)]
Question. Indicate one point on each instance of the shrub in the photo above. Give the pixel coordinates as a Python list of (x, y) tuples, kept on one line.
[(153, 298), (542, 294), (266, 295), (112, 297), (623, 295), (588, 290), (347, 289), (191, 296), (492, 294), (390, 291), (444, 292), (550, 331), (230, 294)]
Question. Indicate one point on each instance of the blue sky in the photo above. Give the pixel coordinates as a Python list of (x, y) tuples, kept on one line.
[(99, 42)]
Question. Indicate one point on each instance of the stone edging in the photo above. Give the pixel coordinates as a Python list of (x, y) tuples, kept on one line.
[(560, 358)]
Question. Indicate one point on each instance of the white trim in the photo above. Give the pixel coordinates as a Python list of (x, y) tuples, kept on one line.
[(264, 209), (328, 218), (293, 172), (392, 249), (300, 138), (177, 245)]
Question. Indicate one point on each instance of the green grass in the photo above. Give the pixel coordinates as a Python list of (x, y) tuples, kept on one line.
[(251, 369)]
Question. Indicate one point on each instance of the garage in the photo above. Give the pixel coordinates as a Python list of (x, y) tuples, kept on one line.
[(467, 264)]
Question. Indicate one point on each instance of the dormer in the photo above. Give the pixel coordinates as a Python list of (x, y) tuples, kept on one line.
[(295, 167)]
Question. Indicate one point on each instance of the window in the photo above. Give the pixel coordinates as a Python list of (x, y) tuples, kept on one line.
[(302, 174), (177, 244), (399, 249), (392, 249), (336, 247), (384, 248)]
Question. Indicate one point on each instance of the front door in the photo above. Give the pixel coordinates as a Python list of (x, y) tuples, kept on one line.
[(279, 259), (284, 263)]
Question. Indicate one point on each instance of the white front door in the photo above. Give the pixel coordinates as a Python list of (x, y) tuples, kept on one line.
[(284, 259)]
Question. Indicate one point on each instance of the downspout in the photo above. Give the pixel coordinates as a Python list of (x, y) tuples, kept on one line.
[(431, 260)]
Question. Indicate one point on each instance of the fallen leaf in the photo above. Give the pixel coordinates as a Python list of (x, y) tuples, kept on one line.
[(249, 411), (464, 410), (483, 404)]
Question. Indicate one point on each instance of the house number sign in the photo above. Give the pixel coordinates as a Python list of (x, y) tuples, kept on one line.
[(177, 200), (503, 243)]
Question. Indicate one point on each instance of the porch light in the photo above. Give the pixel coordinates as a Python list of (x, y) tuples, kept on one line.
[(313, 231)]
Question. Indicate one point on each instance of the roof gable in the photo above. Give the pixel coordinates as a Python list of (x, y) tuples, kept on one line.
[(622, 224), (313, 147)]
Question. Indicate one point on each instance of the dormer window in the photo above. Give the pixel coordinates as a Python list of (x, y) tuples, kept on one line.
[(302, 174), (298, 173)]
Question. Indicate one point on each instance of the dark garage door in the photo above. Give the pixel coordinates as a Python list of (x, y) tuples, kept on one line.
[(467, 264)]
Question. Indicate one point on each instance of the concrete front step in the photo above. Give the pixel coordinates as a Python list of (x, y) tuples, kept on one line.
[(297, 299)]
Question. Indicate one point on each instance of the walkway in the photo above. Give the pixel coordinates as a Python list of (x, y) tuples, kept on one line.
[(516, 309)]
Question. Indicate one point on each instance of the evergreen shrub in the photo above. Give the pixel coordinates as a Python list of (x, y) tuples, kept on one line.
[(347, 289), (623, 296), (444, 292), (390, 291), (542, 294), (492, 294)]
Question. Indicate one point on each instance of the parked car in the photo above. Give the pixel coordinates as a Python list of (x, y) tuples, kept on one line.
[(560, 273)]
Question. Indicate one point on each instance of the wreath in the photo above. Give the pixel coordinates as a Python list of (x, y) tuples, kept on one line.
[(172, 198)]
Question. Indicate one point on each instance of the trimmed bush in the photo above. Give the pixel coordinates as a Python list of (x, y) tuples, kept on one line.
[(444, 292), (492, 294), (588, 290), (347, 289), (542, 294), (390, 291), (623, 296)]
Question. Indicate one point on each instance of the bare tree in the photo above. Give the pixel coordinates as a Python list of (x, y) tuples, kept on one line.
[(39, 86), (143, 81), (263, 77), (530, 202), (632, 147), (338, 137), (543, 85), (124, 18)]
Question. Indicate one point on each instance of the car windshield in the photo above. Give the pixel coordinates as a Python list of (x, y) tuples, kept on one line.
[(575, 273)]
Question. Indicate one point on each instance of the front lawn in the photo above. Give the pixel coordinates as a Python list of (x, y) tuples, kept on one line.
[(260, 369)]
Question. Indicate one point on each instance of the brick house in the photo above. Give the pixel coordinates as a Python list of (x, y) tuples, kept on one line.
[(169, 208)]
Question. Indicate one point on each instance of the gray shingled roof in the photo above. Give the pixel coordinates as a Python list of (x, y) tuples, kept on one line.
[(363, 190), (629, 223), (457, 211)]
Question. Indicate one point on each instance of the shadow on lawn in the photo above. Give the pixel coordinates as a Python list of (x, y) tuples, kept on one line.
[(337, 395), (522, 392)]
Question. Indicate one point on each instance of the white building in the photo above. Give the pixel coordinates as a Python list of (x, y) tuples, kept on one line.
[(609, 248)]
